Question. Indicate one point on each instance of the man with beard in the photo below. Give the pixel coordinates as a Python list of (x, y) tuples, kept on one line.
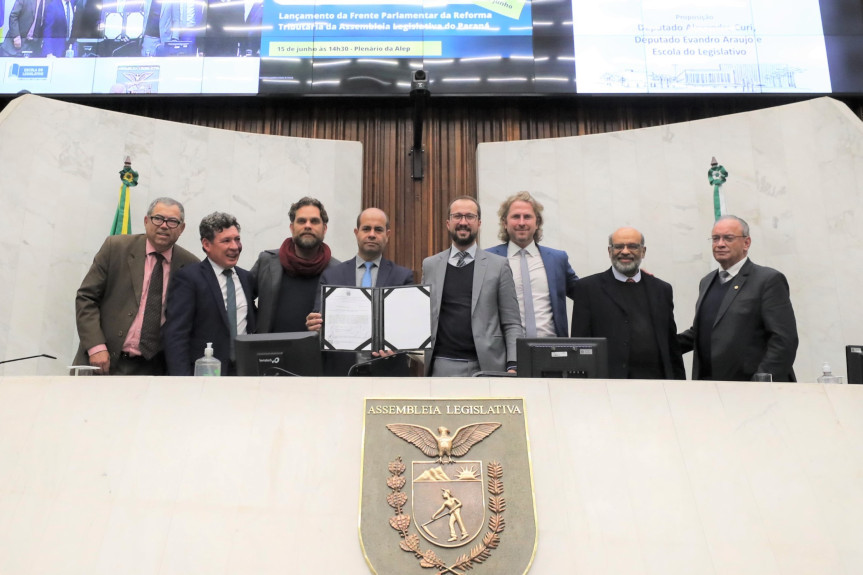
[(211, 301), (475, 314), (288, 278), (633, 310), (744, 323), (369, 268), (543, 277)]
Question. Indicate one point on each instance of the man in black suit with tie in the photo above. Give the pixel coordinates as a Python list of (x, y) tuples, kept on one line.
[(744, 323), (369, 268), (211, 301), (633, 310)]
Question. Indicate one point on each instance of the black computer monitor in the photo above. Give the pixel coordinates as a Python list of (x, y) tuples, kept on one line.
[(854, 363), (577, 357), (279, 354)]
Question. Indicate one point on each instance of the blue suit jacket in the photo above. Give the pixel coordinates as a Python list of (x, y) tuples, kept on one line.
[(345, 274), (54, 29), (196, 314), (561, 282)]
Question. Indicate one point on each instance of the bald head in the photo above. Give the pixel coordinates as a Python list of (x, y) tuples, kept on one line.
[(626, 249), (372, 232)]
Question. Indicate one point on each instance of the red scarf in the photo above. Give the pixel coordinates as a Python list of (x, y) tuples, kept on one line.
[(295, 266)]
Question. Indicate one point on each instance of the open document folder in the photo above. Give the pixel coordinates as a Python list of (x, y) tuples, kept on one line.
[(397, 318)]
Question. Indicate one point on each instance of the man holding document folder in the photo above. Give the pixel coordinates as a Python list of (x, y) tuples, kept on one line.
[(369, 268)]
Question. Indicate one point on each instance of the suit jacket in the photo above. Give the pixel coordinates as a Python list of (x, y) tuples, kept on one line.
[(108, 299), (598, 312), (196, 315), (754, 331), (21, 18), (495, 318), (267, 272), (54, 29), (561, 282), (345, 274)]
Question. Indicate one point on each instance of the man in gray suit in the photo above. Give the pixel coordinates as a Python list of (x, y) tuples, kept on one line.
[(120, 305), (25, 28), (470, 288), (744, 323)]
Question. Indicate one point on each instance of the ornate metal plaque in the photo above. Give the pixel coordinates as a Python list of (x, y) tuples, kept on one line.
[(447, 487)]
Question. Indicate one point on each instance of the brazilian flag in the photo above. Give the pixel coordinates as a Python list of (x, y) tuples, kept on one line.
[(122, 218)]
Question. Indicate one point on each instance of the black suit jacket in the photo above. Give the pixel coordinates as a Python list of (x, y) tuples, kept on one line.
[(755, 330), (597, 312), (196, 315)]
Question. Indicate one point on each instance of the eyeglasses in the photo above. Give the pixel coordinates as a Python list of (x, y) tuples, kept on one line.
[(170, 222), (727, 238), (468, 217), (630, 247)]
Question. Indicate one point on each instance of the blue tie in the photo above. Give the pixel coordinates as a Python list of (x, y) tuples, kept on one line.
[(367, 276)]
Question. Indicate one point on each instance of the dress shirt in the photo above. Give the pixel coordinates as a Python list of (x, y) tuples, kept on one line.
[(361, 269), (623, 278), (735, 269), (471, 255), (538, 285), (242, 304)]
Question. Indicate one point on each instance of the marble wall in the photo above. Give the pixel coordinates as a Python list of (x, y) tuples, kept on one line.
[(795, 175), (240, 476), (59, 183)]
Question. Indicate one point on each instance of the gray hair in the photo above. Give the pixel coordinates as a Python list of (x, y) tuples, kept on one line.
[(741, 221), (215, 223), (168, 202)]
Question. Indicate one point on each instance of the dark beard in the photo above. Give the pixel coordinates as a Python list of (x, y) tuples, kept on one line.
[(462, 242), (307, 242)]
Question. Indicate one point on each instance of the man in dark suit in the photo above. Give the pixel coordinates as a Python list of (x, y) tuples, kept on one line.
[(549, 279), (112, 302), (633, 310), (57, 27), (369, 268), (204, 304), (744, 323), (475, 317)]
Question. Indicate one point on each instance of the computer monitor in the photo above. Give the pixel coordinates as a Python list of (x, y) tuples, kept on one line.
[(569, 357), (854, 363), (279, 354)]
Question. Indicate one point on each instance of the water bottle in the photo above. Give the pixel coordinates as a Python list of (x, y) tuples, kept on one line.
[(70, 53), (827, 376), (208, 365)]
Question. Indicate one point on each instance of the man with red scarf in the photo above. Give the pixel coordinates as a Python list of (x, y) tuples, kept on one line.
[(288, 278)]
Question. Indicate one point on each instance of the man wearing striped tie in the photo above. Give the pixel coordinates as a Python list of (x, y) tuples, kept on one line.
[(475, 315)]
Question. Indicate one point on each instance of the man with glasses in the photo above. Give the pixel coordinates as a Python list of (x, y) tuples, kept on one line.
[(744, 323), (475, 315), (120, 305), (633, 310)]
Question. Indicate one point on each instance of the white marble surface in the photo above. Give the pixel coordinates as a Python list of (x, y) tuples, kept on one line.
[(795, 175), (59, 182), (183, 476)]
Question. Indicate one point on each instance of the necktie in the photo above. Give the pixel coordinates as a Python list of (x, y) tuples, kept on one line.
[(231, 307), (67, 6), (367, 276), (724, 276), (461, 256), (36, 18), (152, 322), (630, 281), (527, 295)]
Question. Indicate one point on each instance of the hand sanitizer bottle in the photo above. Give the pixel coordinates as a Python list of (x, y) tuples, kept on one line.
[(827, 376), (208, 365)]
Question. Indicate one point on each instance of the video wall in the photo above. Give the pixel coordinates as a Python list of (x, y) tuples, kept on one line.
[(483, 47)]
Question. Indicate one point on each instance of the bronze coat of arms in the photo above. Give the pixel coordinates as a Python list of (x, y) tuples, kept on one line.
[(447, 487)]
